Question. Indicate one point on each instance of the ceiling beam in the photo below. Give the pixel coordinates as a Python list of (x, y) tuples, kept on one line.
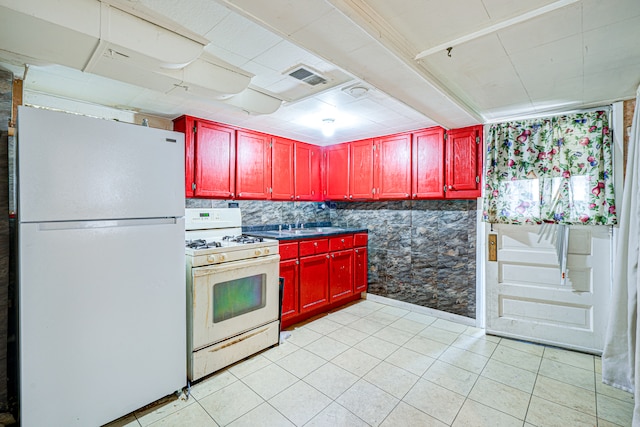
[(496, 27)]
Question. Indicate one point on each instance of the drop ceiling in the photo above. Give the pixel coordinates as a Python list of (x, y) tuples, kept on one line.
[(389, 66)]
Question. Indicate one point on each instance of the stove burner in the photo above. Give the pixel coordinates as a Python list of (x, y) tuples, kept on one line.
[(243, 239), (202, 244)]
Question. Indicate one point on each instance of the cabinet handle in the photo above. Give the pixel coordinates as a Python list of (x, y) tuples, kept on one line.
[(356, 251), (351, 196), (332, 256), (292, 196), (415, 194), (239, 194), (345, 196), (406, 195), (297, 197), (232, 194), (342, 240), (451, 187), (297, 262), (327, 256)]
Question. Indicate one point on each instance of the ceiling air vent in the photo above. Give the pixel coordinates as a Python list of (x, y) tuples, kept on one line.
[(306, 75)]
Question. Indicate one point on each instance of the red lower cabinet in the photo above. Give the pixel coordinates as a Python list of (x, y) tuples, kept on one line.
[(340, 275), (289, 271), (360, 270), (314, 272), (321, 274), (360, 262)]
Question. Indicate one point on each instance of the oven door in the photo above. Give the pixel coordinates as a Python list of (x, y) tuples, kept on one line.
[(233, 297)]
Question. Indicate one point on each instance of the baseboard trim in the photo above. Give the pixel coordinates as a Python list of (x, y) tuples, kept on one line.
[(422, 310)]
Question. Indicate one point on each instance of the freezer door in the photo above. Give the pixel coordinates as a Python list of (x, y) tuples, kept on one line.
[(102, 318), (80, 168)]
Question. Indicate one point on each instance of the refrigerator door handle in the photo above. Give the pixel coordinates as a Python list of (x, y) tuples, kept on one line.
[(78, 225)]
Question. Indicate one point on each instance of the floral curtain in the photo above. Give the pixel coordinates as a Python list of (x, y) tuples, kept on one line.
[(554, 170)]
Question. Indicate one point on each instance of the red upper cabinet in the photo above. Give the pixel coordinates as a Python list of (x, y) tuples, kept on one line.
[(393, 167), (463, 163), (337, 172), (361, 171), (185, 124), (282, 168), (308, 180), (253, 166), (210, 158), (428, 164)]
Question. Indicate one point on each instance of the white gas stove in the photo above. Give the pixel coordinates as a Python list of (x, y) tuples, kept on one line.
[(233, 295), (215, 235)]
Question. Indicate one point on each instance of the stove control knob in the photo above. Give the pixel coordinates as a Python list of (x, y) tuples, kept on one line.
[(258, 252), (211, 258), (223, 257), (266, 251)]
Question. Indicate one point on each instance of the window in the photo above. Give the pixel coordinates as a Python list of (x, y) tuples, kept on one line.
[(555, 170)]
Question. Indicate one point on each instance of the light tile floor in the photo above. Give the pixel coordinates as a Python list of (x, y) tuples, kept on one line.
[(370, 364)]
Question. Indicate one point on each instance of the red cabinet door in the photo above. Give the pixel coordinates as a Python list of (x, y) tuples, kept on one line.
[(307, 172), (360, 269), (289, 271), (393, 167), (185, 124), (361, 170), (253, 166), (463, 163), (282, 168), (428, 164), (214, 148), (340, 274), (337, 172), (314, 282)]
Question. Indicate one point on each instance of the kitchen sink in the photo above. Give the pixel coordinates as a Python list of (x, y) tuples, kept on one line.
[(305, 231)]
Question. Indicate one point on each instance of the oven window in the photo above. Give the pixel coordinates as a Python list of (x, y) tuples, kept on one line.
[(237, 297)]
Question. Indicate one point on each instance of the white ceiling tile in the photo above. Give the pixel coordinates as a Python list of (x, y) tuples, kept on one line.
[(542, 30), (612, 46), (598, 13), (480, 72), (288, 16), (557, 91), (557, 60), (427, 23), (500, 10), (241, 36), (331, 33), (282, 56), (199, 16), (621, 83), (232, 58)]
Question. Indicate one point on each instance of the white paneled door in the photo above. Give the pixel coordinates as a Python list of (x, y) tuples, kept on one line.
[(525, 296)]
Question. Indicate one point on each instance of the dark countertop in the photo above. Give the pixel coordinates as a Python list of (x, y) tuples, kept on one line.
[(305, 233)]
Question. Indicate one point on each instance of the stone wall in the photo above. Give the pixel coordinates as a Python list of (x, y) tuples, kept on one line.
[(6, 91), (421, 252)]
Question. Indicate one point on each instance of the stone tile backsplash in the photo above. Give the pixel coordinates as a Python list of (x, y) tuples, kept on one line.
[(422, 252)]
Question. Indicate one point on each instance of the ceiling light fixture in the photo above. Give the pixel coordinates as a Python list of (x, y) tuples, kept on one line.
[(328, 127)]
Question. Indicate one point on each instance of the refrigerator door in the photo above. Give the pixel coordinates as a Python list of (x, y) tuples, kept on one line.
[(102, 318), (80, 168)]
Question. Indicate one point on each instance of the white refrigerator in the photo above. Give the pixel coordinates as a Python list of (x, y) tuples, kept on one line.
[(101, 267)]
